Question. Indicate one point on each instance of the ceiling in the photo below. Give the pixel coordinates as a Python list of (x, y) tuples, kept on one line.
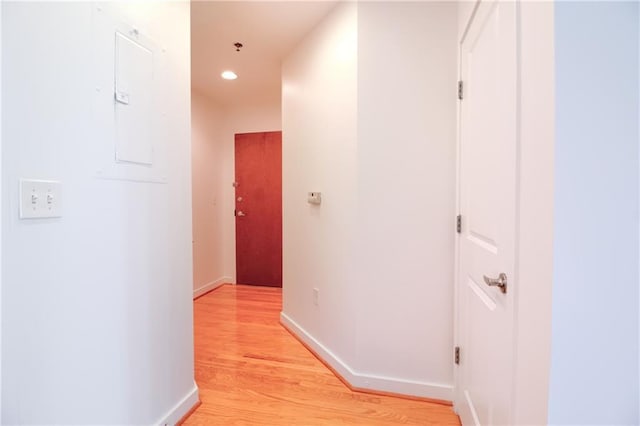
[(269, 30)]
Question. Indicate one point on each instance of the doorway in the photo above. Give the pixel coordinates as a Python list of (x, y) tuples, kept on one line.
[(258, 208)]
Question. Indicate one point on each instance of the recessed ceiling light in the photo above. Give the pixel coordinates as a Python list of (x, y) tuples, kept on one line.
[(229, 75)]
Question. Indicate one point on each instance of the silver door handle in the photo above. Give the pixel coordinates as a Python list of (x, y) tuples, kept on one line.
[(500, 282), (241, 213)]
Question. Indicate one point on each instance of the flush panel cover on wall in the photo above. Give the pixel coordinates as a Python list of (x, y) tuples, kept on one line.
[(133, 101), (131, 96)]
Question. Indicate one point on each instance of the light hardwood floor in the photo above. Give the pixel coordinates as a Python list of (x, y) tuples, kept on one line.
[(251, 371)]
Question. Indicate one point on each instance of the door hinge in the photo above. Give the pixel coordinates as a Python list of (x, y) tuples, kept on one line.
[(460, 90), (459, 224), (456, 356)]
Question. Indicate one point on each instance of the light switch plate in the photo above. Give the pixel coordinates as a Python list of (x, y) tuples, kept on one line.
[(40, 199)]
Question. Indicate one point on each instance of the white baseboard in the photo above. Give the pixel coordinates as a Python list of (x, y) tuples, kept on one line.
[(181, 408), (323, 352), (210, 286), (368, 381)]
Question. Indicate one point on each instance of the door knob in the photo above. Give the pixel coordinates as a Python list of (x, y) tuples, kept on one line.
[(500, 282), (241, 213)]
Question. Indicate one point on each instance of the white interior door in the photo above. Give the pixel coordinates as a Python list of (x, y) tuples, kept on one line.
[(487, 191)]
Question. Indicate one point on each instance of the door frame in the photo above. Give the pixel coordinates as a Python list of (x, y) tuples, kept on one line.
[(1, 210), (535, 85)]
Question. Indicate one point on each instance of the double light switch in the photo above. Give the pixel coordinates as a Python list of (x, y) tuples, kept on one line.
[(39, 199)]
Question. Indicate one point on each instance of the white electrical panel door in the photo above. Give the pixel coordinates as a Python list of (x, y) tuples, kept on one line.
[(133, 101)]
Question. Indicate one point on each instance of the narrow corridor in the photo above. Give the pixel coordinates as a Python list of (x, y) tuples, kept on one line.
[(251, 371)]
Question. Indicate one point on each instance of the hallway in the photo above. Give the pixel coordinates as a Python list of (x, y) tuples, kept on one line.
[(251, 371)]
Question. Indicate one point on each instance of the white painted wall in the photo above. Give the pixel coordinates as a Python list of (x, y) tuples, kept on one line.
[(244, 119), (594, 361), (406, 193), (319, 153), (207, 178), (96, 305), (374, 131)]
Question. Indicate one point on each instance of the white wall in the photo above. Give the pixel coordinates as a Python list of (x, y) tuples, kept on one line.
[(406, 193), (208, 189), (374, 131), (319, 153), (96, 305), (245, 119), (594, 361)]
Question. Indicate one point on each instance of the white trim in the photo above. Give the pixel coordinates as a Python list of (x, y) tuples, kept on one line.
[(368, 381), (323, 352), (210, 286), (1, 188), (181, 408), (533, 276), (457, 340), (639, 217)]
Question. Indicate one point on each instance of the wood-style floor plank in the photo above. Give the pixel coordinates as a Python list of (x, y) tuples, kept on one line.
[(251, 371)]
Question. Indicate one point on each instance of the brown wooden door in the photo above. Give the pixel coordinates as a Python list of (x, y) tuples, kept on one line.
[(259, 208)]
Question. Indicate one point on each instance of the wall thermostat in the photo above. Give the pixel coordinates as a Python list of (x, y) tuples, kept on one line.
[(314, 198)]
